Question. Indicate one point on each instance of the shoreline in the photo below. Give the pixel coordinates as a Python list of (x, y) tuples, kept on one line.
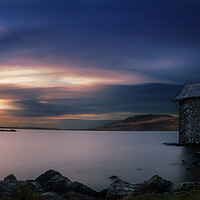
[(181, 145), (52, 185), (91, 129)]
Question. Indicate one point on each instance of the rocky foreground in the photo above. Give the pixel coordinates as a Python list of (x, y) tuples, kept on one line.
[(53, 186)]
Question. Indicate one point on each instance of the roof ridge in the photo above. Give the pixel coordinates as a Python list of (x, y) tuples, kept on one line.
[(188, 91)]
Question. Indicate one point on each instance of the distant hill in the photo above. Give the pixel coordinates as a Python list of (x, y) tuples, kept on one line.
[(148, 122)]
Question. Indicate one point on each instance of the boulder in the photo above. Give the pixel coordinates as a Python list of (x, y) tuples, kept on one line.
[(183, 162), (196, 162), (58, 184), (10, 177), (11, 185), (82, 189), (113, 177), (53, 181), (78, 196), (182, 187), (8, 187), (35, 186), (119, 189), (195, 155), (155, 184), (51, 196), (24, 192), (103, 193), (44, 178)]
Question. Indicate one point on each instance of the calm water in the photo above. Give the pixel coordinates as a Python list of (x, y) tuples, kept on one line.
[(91, 157)]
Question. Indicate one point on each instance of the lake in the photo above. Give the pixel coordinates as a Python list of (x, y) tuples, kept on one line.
[(91, 157)]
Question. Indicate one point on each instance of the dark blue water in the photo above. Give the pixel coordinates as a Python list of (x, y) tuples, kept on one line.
[(91, 157)]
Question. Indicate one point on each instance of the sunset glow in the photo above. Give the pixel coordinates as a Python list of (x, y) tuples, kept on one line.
[(6, 104), (50, 77), (92, 62)]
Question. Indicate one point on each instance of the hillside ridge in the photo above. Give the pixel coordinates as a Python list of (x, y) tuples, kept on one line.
[(149, 122)]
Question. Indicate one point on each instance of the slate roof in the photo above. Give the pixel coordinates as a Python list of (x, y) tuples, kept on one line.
[(188, 91)]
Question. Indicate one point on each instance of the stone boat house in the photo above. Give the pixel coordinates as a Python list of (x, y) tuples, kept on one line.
[(189, 113)]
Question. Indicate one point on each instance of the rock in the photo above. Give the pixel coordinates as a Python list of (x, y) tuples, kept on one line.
[(53, 181), (35, 186), (24, 192), (83, 189), (183, 162), (52, 196), (44, 178), (113, 177), (119, 189), (8, 187), (196, 162), (155, 184), (197, 185), (102, 194), (58, 184), (78, 196), (182, 187), (166, 193), (195, 155), (10, 177)]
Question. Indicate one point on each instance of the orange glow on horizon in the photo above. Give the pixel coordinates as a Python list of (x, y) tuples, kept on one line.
[(25, 87), (106, 116), (6, 104)]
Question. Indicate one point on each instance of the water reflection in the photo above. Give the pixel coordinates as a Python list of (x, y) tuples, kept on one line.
[(190, 172), (91, 157)]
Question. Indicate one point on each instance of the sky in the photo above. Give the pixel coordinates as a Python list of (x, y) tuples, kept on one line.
[(83, 63)]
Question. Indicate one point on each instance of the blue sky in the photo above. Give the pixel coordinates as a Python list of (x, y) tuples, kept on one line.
[(81, 63)]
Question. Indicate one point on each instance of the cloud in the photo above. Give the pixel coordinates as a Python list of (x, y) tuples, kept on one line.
[(20, 39), (2, 29), (35, 108), (87, 58), (146, 98), (14, 93), (146, 37)]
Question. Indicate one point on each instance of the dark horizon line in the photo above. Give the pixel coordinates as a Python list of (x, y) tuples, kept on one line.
[(78, 129)]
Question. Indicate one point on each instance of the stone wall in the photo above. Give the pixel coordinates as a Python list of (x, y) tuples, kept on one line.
[(189, 121)]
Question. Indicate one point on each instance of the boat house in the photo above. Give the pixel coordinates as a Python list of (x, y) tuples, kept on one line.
[(189, 113)]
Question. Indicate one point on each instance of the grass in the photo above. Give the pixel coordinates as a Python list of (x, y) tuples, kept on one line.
[(192, 195)]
